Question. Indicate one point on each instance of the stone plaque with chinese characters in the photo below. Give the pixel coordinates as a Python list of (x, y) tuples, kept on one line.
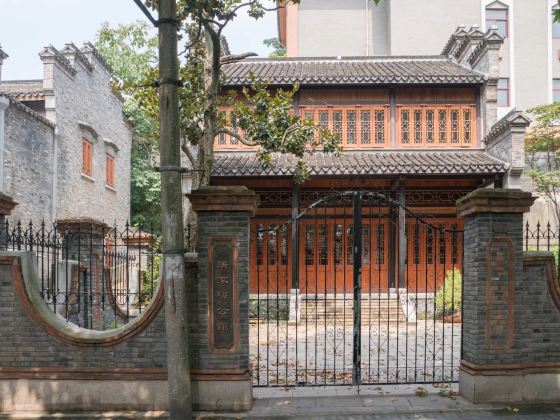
[(222, 295), (500, 294)]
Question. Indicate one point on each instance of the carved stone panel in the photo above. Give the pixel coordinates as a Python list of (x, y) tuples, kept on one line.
[(223, 310), (500, 294)]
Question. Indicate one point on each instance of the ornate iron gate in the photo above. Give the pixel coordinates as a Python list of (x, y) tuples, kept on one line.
[(369, 293)]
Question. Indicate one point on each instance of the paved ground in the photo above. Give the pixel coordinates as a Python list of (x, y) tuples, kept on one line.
[(321, 353), (390, 402)]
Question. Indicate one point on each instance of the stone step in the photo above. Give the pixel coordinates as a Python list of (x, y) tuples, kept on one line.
[(341, 311)]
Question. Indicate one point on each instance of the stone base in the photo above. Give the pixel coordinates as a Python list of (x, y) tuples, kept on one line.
[(526, 388), (43, 395), (222, 395)]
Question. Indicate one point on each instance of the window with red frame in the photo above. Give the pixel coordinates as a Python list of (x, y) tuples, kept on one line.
[(503, 92), (87, 157), (110, 171), (498, 17)]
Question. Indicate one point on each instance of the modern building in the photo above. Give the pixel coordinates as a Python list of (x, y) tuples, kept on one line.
[(65, 144), (529, 61), (420, 130)]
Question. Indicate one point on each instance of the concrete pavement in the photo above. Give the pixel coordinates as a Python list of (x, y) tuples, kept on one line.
[(422, 402)]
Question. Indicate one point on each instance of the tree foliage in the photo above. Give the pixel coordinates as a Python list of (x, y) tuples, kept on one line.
[(131, 52), (542, 148), (278, 50), (265, 118)]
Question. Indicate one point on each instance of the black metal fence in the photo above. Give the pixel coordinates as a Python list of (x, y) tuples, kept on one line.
[(542, 237), (95, 276), (356, 290)]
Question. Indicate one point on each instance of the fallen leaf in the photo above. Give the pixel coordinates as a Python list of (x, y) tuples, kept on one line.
[(421, 392)]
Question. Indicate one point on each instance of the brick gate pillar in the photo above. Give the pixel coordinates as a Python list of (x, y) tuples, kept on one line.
[(511, 327), (83, 243), (6, 207), (219, 303)]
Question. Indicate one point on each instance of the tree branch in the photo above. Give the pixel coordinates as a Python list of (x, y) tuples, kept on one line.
[(232, 58), (235, 135), (185, 148), (194, 40)]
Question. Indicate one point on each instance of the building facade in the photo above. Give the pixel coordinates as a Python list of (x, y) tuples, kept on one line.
[(421, 131), (65, 143), (529, 61)]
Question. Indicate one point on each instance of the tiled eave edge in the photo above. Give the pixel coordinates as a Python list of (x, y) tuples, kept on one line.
[(28, 110)]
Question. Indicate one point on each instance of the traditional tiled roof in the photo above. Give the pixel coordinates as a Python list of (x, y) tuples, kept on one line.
[(512, 118), (376, 163), (23, 89), (28, 110), (350, 71)]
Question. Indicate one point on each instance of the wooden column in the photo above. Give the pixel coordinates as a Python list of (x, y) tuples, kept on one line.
[(393, 113), (402, 234), (295, 237)]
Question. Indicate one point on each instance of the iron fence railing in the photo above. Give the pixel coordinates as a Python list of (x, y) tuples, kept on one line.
[(356, 289), (542, 237), (95, 276)]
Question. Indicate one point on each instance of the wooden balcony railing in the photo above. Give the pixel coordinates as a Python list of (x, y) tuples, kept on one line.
[(368, 127), (436, 126), (357, 127)]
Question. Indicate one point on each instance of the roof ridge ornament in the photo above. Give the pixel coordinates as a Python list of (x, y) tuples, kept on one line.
[(50, 52), (492, 40), (455, 38), (473, 38), (514, 118), (70, 49), (3, 54)]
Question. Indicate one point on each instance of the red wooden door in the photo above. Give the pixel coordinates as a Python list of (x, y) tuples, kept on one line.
[(270, 261), (432, 251)]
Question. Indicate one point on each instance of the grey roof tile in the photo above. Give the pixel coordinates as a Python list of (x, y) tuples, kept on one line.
[(350, 70), (381, 163)]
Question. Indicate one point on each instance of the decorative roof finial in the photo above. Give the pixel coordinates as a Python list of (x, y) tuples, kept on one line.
[(3, 54)]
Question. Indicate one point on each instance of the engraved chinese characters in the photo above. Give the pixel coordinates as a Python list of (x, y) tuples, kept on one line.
[(222, 295), (500, 294)]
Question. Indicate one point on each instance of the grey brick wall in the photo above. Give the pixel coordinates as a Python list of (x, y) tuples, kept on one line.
[(25, 345), (28, 165), (86, 97), (211, 225), (536, 335)]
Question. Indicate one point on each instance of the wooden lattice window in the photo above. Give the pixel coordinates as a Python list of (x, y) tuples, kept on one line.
[(225, 141), (405, 126), (283, 244), (260, 244), (442, 250), (356, 127), (380, 249), (338, 243), (309, 244), (272, 245), (430, 245), (436, 126), (323, 245)]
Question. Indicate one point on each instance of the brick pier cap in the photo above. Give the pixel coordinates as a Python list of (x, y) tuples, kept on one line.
[(495, 200), (7, 204), (224, 198)]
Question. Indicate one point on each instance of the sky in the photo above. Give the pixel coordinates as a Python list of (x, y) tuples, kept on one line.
[(26, 26)]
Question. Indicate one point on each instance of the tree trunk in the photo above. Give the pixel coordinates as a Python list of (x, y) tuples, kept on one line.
[(173, 267)]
